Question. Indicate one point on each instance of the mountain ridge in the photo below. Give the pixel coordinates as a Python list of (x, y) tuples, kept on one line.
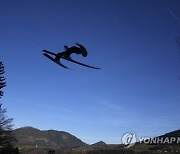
[(30, 136)]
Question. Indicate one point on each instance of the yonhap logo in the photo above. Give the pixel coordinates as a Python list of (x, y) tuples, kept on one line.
[(129, 139)]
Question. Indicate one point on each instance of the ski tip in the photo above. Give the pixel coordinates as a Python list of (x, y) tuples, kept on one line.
[(97, 68), (45, 54)]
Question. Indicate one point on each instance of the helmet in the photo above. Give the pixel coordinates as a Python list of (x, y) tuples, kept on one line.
[(84, 53)]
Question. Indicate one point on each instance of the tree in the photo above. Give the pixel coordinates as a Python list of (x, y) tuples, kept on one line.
[(2, 79), (6, 135)]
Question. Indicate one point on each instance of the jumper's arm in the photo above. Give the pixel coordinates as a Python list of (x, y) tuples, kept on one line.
[(79, 45)]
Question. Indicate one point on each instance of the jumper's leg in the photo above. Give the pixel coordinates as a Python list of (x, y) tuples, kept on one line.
[(58, 56)]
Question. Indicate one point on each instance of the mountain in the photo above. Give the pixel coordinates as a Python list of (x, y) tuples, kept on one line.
[(171, 138), (175, 133), (30, 136), (99, 144)]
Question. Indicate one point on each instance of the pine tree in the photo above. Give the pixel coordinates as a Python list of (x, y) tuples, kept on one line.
[(2, 79), (6, 136)]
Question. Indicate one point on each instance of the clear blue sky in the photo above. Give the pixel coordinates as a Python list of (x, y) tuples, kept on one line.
[(133, 41)]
